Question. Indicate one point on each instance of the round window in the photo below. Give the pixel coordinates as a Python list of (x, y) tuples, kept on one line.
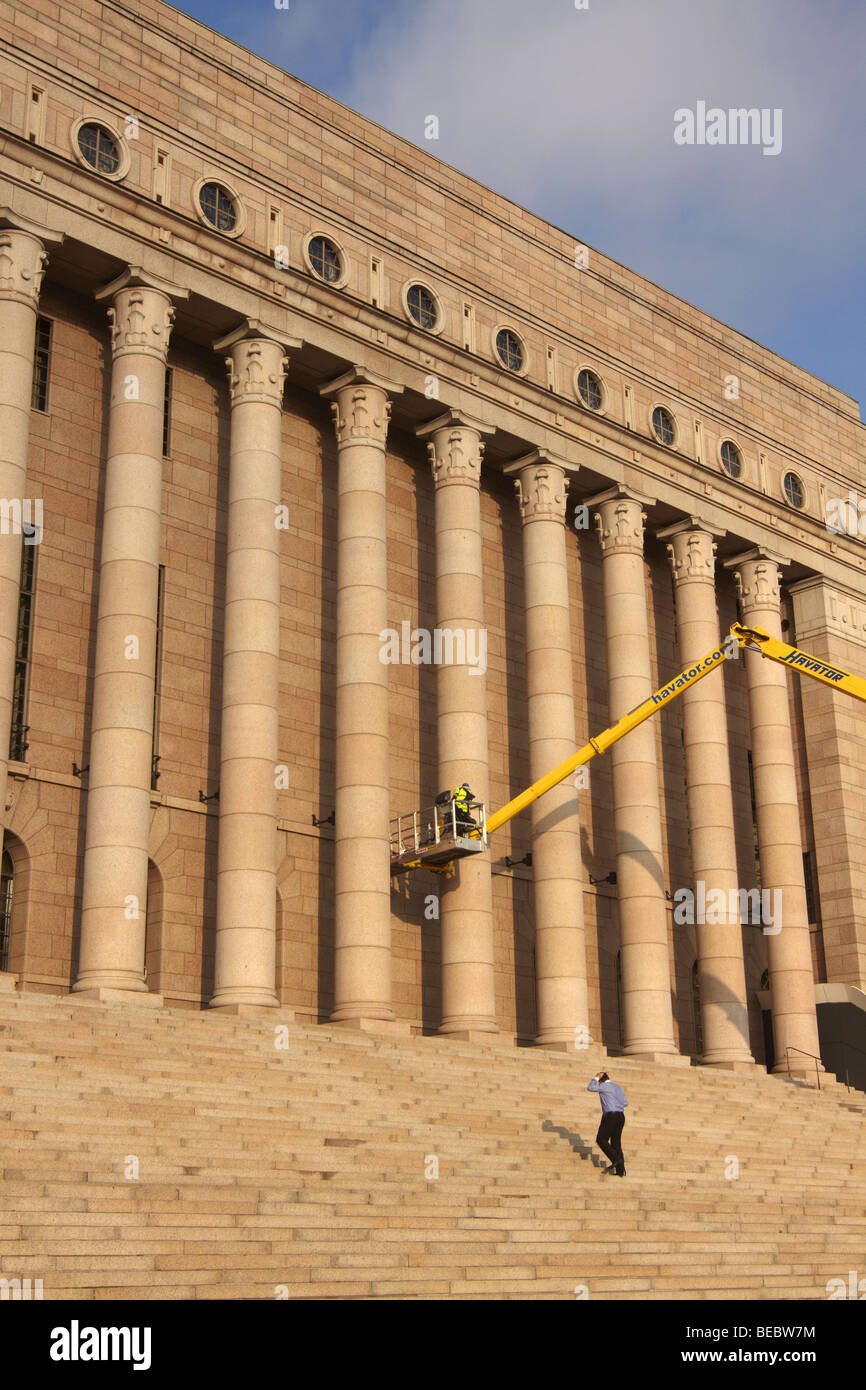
[(421, 306), (732, 460), (98, 148), (663, 425), (509, 349), (589, 389), (325, 259), (795, 493), (218, 207)]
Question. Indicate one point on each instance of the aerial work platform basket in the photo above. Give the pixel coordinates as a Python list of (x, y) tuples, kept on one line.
[(436, 836)]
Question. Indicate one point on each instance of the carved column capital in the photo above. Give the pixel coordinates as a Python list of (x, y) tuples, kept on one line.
[(691, 548), (23, 255), (541, 483), (257, 371), (361, 406), (757, 577), (620, 519), (22, 265), (620, 524), (455, 448), (141, 312), (258, 362)]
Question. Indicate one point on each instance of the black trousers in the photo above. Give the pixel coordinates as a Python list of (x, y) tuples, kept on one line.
[(609, 1137)]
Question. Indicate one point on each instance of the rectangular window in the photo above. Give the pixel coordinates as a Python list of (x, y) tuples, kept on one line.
[(754, 819), (18, 744), (468, 328), (376, 282), (629, 407), (551, 367), (699, 442), (41, 365), (35, 116), (275, 234), (161, 176), (811, 898), (160, 603), (166, 415)]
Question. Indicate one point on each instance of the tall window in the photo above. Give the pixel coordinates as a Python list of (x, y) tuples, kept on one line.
[(619, 1015), (696, 1010), (166, 415), (6, 877), (809, 879), (41, 365), (18, 744), (160, 601), (754, 819)]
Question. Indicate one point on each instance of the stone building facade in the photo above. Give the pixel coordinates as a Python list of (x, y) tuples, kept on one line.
[(274, 382)]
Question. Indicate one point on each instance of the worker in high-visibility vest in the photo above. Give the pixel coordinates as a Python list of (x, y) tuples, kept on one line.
[(462, 797)]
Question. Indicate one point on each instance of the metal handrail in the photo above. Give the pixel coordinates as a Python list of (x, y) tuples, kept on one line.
[(846, 1047), (424, 829), (815, 1059)]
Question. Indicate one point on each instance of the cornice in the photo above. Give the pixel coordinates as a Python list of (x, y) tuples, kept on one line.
[(613, 285)]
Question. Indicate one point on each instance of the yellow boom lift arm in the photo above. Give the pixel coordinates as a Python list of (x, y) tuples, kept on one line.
[(740, 637)]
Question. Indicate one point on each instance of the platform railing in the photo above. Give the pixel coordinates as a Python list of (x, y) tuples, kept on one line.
[(424, 829)]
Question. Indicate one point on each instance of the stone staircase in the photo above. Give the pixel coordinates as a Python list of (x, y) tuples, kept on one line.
[(180, 1155)]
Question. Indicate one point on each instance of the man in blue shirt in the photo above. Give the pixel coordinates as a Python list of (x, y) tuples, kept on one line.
[(613, 1103)]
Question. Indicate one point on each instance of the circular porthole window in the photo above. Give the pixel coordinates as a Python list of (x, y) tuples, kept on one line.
[(422, 306), (509, 349), (663, 426), (732, 459), (795, 493), (590, 391), (100, 149), (218, 206), (325, 259)]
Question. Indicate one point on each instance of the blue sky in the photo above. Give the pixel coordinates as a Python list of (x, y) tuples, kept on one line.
[(571, 114)]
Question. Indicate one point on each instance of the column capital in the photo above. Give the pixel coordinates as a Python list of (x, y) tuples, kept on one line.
[(141, 312), (541, 483), (456, 447), (757, 577), (691, 548), (620, 519), (23, 256), (362, 409), (257, 371)]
